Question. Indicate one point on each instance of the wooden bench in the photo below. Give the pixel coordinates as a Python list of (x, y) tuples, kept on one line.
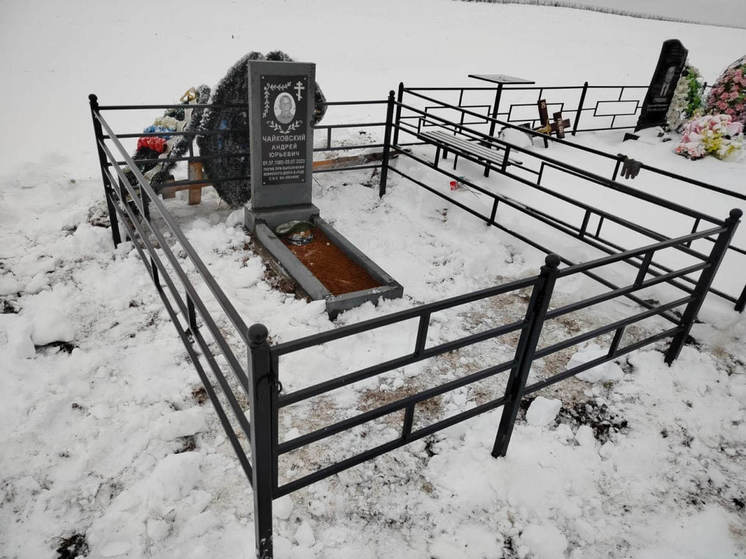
[(197, 172), (466, 147)]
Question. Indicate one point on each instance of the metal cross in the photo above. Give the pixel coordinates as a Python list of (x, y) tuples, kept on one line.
[(559, 124), (557, 127)]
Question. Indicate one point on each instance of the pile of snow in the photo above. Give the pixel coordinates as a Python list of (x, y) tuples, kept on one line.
[(606, 372), (542, 411)]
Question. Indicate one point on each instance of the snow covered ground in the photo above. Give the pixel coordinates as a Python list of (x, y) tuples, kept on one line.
[(104, 431), (730, 13)]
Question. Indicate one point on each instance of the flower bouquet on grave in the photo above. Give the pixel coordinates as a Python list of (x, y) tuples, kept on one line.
[(728, 94), (716, 135), (687, 99), (156, 156)]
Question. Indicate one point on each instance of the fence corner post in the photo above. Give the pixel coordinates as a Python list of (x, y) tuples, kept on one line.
[(260, 390), (703, 285), (99, 136), (535, 314), (386, 144)]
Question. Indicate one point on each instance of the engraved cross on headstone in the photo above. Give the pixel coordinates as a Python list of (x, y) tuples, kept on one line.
[(299, 87)]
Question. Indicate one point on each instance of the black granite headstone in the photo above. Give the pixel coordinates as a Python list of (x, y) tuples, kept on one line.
[(660, 93), (281, 112)]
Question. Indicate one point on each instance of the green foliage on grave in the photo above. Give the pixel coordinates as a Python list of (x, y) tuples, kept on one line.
[(687, 100)]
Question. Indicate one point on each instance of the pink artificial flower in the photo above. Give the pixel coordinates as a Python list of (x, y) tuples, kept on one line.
[(722, 106), (733, 128), (695, 151)]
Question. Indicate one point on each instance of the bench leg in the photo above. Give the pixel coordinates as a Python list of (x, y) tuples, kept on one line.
[(487, 170), (455, 160), (195, 173), (437, 156), (195, 196), (445, 154)]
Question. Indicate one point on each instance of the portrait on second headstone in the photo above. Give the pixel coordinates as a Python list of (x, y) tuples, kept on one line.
[(666, 87), (284, 108)]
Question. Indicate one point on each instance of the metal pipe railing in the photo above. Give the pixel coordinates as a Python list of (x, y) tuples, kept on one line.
[(260, 378)]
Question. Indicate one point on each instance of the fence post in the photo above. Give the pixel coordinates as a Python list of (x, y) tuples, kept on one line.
[(535, 314), (399, 97), (386, 144), (580, 108), (703, 285), (741, 303), (98, 133), (261, 392), (495, 108)]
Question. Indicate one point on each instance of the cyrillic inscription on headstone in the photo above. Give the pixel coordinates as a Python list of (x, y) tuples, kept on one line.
[(284, 129)]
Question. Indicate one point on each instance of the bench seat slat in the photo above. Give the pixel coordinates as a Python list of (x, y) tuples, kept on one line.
[(467, 146)]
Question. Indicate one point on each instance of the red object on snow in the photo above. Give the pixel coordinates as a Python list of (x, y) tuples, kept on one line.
[(152, 142), (454, 185)]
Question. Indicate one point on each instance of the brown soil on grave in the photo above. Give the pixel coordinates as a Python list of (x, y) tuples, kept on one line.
[(331, 266)]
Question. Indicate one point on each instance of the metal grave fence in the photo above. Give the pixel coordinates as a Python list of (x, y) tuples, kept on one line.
[(536, 169), (243, 365)]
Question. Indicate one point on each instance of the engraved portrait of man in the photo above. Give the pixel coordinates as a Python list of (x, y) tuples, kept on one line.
[(284, 108), (667, 81)]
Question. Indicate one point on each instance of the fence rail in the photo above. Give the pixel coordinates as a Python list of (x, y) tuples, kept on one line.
[(134, 205), (411, 120), (572, 100)]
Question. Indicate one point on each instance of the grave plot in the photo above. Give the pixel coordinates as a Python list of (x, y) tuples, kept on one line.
[(319, 258), (445, 361)]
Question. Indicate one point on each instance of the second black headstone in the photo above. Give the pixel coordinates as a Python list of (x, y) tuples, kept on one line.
[(671, 63)]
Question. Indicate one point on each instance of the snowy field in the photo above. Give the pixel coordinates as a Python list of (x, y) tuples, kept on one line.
[(729, 13), (104, 433)]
